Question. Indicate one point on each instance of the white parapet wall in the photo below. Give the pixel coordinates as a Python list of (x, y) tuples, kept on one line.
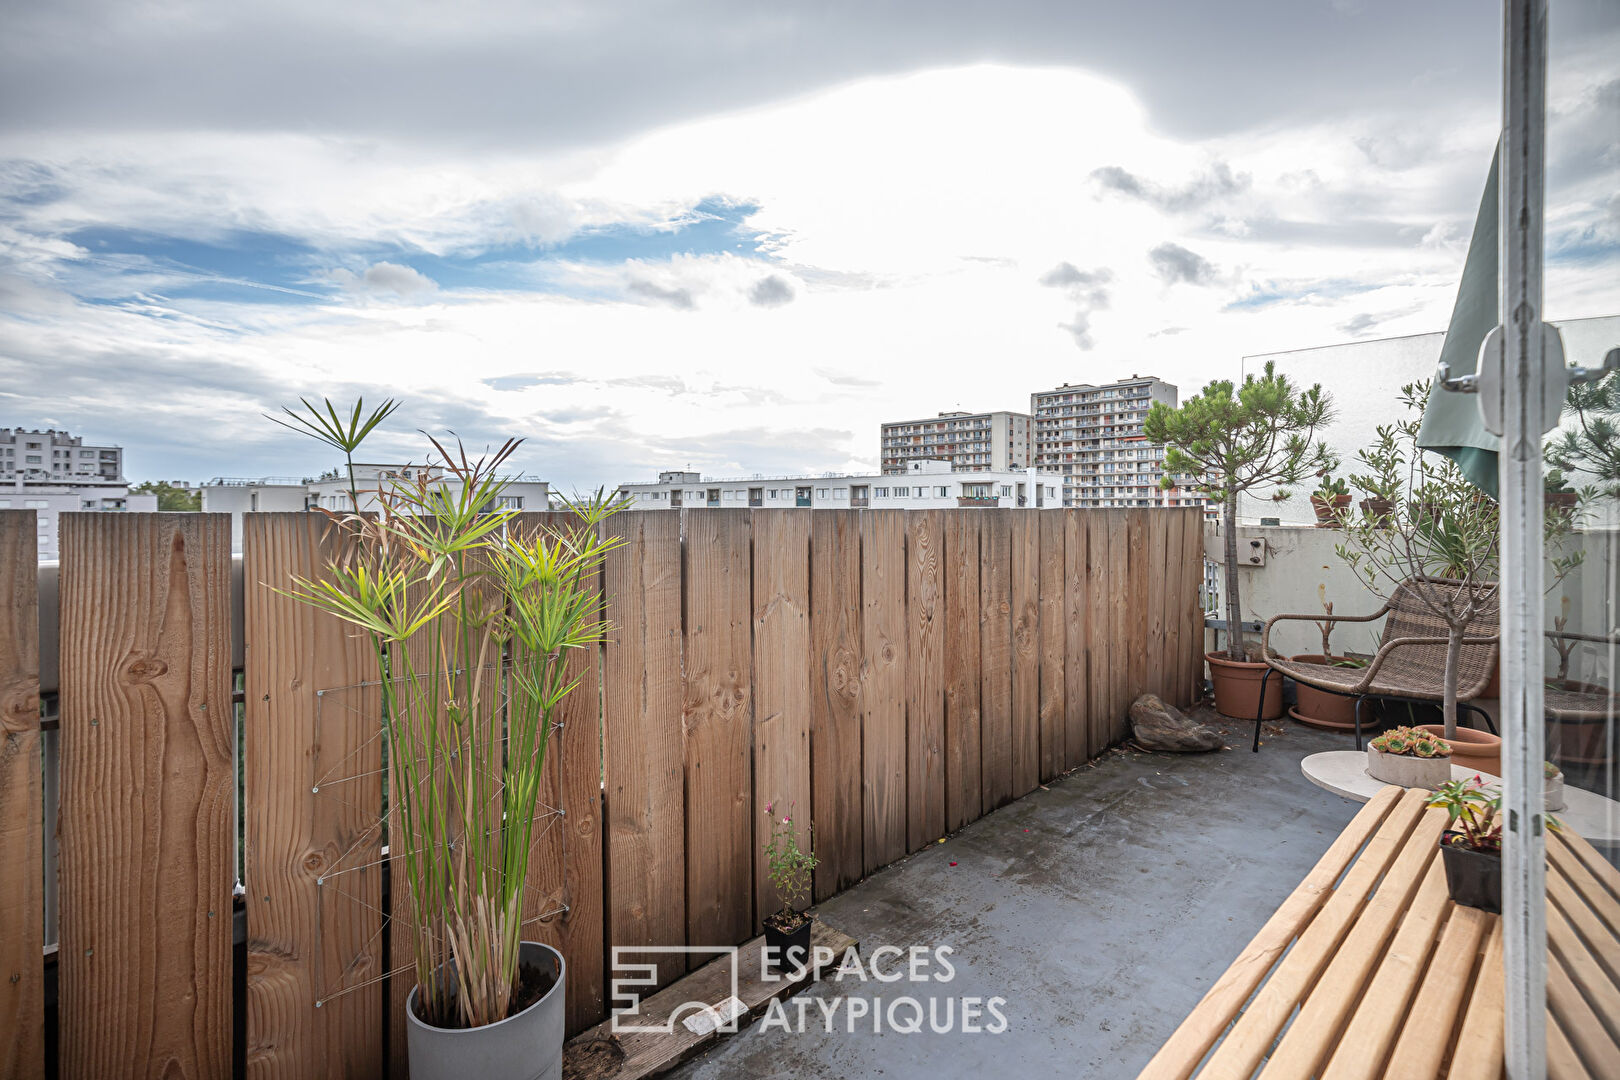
[(1294, 562)]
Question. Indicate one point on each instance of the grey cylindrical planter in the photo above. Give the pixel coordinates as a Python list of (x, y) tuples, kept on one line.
[(527, 1046), (1554, 787), (1407, 771)]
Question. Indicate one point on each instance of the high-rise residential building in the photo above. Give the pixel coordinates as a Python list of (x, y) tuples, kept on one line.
[(971, 442), (1092, 436), (50, 472), (919, 485)]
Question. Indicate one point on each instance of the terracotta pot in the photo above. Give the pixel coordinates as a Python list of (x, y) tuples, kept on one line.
[(1237, 688), (1493, 689), (1327, 515), (1378, 509), (1561, 500), (1318, 707), (1477, 751)]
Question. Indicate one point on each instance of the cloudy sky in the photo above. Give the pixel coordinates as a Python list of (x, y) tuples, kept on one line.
[(646, 234)]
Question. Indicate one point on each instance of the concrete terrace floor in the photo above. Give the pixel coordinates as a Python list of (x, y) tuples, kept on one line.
[(1100, 908)]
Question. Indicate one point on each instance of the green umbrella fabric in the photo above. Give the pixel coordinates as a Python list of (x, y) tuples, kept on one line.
[(1451, 422)]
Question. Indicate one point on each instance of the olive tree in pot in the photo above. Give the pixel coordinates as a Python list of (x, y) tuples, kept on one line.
[(1437, 542), (474, 616), (1228, 440)]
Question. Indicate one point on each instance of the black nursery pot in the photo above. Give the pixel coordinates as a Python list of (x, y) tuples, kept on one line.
[(1473, 878), (792, 949)]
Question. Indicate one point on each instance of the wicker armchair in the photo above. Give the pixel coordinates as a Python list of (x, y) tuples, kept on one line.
[(1411, 661)]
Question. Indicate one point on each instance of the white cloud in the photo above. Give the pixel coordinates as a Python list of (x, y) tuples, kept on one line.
[(386, 277)]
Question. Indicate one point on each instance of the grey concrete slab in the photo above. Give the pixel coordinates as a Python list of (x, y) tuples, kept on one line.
[(1100, 909)]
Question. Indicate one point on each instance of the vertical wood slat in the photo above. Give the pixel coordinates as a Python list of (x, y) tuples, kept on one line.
[(883, 687), (308, 941), (147, 789), (925, 678), (1054, 641), (835, 693), (1192, 627), (1025, 567), (719, 724), (995, 650), (574, 785), (22, 969), (1157, 675), (1174, 564), (1138, 626), (1121, 645), (644, 742), (964, 799), (1101, 609), (781, 618)]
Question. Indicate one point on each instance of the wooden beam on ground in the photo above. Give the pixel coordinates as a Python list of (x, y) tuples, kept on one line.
[(600, 1054)]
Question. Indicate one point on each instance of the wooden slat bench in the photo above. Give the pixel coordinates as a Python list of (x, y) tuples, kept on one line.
[(1369, 970)]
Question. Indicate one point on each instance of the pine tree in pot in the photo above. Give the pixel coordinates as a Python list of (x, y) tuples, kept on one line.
[(474, 615), (1232, 439), (787, 932)]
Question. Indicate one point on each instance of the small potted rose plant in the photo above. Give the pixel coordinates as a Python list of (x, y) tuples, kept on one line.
[(1410, 757), (787, 932)]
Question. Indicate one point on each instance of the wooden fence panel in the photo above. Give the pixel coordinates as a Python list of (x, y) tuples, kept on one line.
[(995, 650), (925, 678), (574, 784), (835, 697), (1174, 564), (1054, 643), (1026, 652), (719, 725), (1104, 617), (964, 798), (1080, 677), (781, 690), (1158, 528), (644, 741), (883, 687), (147, 818), (314, 886), (22, 968)]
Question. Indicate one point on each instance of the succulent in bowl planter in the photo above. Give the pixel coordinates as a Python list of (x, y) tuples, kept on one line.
[(1330, 500), (1409, 757), (1553, 786), (787, 932)]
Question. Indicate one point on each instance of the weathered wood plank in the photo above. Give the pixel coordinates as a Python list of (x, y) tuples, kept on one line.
[(1479, 1043), (835, 697), (781, 690), (1192, 627), (1156, 679), (147, 790), (644, 740), (1173, 688), (964, 799), (312, 791), (1137, 639), (1102, 612), (603, 1054), (719, 726), (883, 686), (925, 678), (22, 969), (1054, 644), (1121, 642), (1026, 653), (995, 650)]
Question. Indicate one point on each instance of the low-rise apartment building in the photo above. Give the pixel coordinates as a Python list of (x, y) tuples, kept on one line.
[(53, 472), (1092, 437), (331, 491), (922, 485), (970, 442)]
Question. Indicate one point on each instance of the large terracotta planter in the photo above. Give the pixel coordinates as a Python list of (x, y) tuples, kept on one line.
[(1237, 688), (1318, 707), (1479, 751)]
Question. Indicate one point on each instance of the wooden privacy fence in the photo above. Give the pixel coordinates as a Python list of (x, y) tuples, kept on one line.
[(890, 675)]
